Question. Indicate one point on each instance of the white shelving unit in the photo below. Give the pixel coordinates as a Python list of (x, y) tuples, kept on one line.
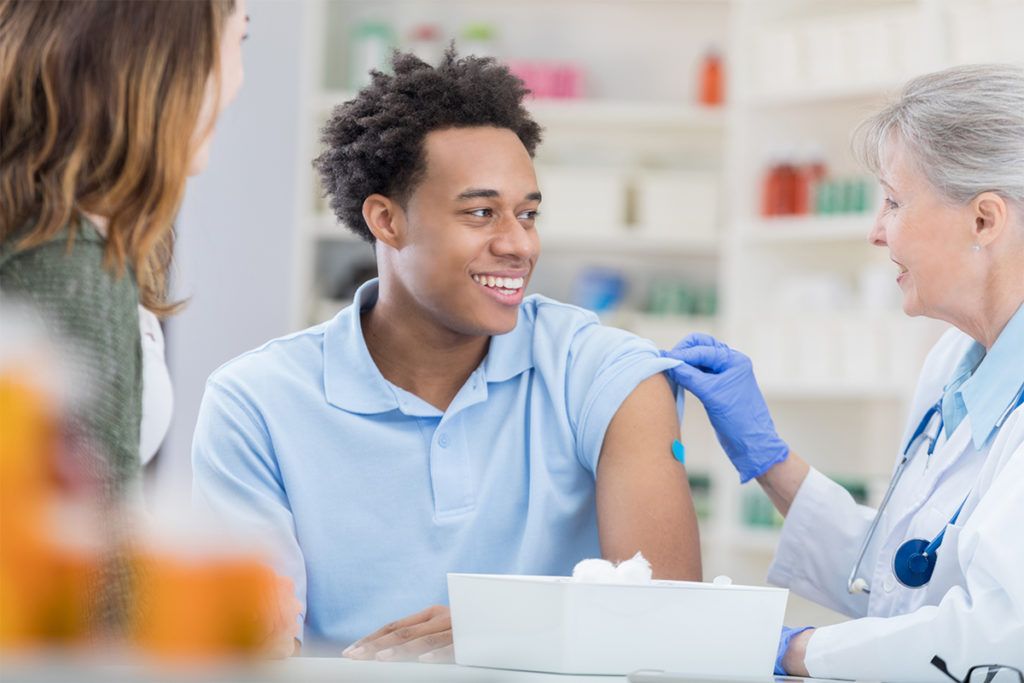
[(804, 296)]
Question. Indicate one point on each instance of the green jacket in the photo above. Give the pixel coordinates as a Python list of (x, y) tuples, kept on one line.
[(94, 318)]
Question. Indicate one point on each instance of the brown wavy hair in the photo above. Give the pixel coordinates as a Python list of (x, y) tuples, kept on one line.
[(99, 104)]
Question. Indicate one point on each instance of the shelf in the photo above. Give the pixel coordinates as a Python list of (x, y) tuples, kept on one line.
[(629, 241), (665, 330), (836, 390), (833, 95), (615, 114), (593, 113), (809, 229)]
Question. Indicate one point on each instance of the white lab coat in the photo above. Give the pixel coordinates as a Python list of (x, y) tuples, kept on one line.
[(972, 611)]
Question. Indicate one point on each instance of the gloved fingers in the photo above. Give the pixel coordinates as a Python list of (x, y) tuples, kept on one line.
[(697, 339), (713, 359), (688, 377)]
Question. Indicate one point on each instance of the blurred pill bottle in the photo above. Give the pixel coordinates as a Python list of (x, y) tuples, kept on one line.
[(50, 588), (479, 39), (201, 596), (425, 41), (711, 79), (369, 50)]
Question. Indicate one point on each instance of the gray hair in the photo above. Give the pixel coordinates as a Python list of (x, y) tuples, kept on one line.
[(963, 126)]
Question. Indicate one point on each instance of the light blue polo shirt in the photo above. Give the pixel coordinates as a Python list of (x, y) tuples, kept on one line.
[(371, 495)]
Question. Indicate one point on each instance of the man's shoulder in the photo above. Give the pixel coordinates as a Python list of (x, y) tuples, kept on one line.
[(290, 356), (563, 332), (541, 310)]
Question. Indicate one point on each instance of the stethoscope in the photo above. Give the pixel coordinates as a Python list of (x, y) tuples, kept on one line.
[(915, 559)]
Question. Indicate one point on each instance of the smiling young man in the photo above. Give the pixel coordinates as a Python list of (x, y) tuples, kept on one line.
[(443, 422)]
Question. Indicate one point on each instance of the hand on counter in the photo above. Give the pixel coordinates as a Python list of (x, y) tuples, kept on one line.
[(425, 636), (281, 641)]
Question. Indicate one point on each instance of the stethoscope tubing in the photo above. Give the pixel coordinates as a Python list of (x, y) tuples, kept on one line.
[(854, 584)]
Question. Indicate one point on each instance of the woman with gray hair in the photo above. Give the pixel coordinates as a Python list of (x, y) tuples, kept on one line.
[(933, 578)]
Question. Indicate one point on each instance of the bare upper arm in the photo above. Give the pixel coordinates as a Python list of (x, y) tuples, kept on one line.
[(643, 497)]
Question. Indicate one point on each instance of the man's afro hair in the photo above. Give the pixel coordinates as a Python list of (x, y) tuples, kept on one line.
[(374, 143)]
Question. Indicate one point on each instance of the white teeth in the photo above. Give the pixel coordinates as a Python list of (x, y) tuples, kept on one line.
[(507, 285)]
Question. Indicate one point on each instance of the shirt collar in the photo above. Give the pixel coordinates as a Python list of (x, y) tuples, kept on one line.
[(353, 382), (511, 354), (351, 379), (996, 383)]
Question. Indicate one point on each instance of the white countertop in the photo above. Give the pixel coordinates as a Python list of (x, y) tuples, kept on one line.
[(296, 669)]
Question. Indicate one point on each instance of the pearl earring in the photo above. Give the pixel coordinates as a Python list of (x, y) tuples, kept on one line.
[(976, 248)]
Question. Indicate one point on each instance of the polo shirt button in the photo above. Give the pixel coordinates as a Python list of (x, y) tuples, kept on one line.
[(889, 583), (443, 441)]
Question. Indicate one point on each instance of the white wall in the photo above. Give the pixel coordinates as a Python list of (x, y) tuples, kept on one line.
[(236, 232)]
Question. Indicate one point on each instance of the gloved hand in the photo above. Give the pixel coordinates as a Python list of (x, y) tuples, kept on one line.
[(787, 635), (724, 382)]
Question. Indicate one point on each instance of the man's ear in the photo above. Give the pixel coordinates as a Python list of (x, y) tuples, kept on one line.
[(991, 215), (385, 219)]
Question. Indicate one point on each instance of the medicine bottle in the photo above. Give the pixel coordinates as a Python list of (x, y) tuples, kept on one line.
[(711, 79)]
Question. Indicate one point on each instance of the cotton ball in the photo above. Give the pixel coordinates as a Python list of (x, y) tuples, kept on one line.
[(594, 571), (634, 570)]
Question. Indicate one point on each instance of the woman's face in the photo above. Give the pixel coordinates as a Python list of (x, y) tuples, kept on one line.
[(231, 76), (929, 239)]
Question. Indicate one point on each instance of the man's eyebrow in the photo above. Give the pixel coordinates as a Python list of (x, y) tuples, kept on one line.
[(477, 193), (483, 193)]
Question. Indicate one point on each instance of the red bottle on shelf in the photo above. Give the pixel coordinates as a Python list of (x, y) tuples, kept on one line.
[(711, 80)]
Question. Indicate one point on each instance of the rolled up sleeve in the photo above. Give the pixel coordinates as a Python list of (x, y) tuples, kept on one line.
[(606, 365)]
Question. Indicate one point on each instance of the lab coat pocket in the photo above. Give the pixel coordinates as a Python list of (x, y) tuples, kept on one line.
[(927, 523), (948, 567)]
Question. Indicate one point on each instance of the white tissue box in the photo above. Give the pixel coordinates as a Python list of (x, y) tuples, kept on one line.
[(552, 624)]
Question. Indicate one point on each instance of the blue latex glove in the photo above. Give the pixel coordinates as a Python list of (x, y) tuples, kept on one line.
[(724, 382), (787, 635)]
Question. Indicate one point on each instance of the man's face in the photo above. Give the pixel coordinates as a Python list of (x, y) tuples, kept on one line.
[(471, 243)]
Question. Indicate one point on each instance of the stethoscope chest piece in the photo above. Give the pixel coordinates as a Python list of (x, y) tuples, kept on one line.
[(913, 564)]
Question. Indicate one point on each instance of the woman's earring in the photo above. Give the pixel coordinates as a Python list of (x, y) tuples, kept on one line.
[(976, 248)]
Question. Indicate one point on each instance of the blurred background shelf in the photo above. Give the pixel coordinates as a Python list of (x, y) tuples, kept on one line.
[(609, 113), (827, 95), (841, 391), (593, 112), (809, 229), (631, 240)]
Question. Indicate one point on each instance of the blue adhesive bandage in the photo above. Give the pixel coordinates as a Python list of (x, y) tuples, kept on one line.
[(679, 451)]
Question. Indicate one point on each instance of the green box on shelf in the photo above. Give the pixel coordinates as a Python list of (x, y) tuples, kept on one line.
[(758, 511), (700, 491)]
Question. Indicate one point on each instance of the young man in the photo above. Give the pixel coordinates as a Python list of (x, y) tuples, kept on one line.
[(442, 422)]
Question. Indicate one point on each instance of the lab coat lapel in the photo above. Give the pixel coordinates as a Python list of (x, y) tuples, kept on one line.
[(945, 456)]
